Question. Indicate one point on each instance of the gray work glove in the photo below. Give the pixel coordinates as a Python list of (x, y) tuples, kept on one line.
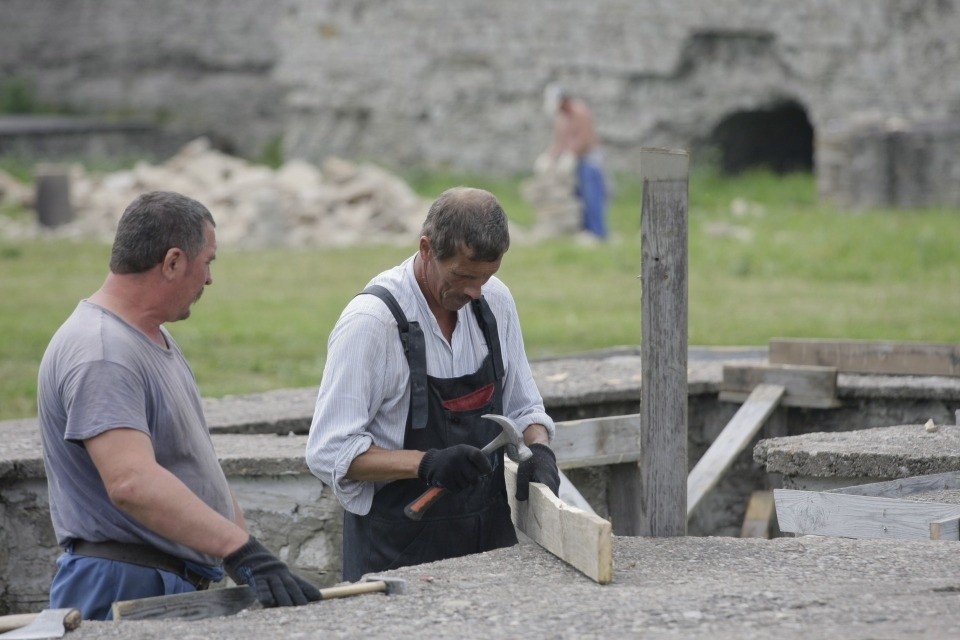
[(540, 467), (271, 579), (454, 468)]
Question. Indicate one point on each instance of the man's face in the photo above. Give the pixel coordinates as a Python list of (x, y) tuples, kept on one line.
[(456, 281), (197, 274)]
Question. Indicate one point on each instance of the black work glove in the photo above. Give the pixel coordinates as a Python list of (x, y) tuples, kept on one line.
[(268, 576), (454, 468), (540, 467)]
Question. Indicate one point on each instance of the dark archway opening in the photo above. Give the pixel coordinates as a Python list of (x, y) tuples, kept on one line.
[(779, 139)]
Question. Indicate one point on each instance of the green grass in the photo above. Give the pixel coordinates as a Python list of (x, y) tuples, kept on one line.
[(765, 260)]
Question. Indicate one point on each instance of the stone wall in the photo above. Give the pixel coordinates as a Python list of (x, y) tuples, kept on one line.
[(458, 84)]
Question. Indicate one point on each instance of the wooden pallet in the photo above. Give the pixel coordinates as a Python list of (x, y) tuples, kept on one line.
[(896, 509)]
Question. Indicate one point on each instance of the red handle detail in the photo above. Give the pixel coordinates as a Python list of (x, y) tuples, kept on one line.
[(418, 507)]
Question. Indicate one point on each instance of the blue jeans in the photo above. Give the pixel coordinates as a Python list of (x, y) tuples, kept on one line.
[(94, 584), (593, 194)]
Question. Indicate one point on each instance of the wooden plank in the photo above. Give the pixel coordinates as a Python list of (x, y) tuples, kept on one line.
[(852, 516), (862, 356), (760, 510), (597, 441), (904, 486), (583, 540), (196, 605), (661, 510), (806, 386), (745, 424), (945, 529)]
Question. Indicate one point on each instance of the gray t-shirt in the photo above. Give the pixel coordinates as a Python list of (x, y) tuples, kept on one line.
[(100, 373)]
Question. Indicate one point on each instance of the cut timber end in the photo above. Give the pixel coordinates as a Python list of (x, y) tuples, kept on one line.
[(760, 510), (664, 164), (581, 539), (945, 529)]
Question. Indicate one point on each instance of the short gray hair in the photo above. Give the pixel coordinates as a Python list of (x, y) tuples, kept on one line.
[(468, 217), (153, 224)]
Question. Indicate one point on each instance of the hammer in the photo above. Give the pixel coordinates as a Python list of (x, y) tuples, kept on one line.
[(509, 437)]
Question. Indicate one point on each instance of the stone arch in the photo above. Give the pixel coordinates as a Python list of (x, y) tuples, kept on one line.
[(779, 138)]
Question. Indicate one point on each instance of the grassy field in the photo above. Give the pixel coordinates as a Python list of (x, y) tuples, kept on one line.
[(765, 261)]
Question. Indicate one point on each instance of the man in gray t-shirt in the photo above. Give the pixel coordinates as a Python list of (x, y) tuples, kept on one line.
[(137, 496)]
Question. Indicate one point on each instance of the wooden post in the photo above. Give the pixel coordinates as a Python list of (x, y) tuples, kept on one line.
[(663, 354)]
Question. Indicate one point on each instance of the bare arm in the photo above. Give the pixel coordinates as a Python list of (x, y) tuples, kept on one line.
[(153, 496), (536, 434), (381, 465)]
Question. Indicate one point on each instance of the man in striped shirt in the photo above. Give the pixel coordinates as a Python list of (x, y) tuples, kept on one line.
[(411, 367)]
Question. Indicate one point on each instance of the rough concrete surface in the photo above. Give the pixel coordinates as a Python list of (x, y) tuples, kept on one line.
[(888, 452), (718, 588)]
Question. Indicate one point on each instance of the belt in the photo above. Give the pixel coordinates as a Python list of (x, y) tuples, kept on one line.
[(141, 555)]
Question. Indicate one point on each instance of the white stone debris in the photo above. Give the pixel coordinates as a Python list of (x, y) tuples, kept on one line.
[(296, 205), (551, 190)]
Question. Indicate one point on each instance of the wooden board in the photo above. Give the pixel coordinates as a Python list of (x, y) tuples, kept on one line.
[(945, 529), (581, 539), (829, 513), (197, 605), (745, 424), (597, 441), (903, 487), (760, 510), (806, 386), (853, 356)]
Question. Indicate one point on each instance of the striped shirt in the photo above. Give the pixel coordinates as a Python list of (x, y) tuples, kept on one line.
[(364, 395)]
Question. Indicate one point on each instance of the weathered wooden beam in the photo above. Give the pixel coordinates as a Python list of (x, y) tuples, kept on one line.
[(597, 441), (945, 529), (804, 385), (904, 487), (195, 605), (856, 356), (581, 539), (856, 516), (661, 510), (745, 424)]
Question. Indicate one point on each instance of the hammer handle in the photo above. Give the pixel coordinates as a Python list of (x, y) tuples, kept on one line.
[(418, 507), (353, 589)]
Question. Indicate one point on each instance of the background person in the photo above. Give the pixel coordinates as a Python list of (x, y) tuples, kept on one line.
[(410, 369), (574, 133), (137, 496)]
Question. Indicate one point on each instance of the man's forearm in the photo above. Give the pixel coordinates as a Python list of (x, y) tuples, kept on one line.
[(536, 434), (377, 464)]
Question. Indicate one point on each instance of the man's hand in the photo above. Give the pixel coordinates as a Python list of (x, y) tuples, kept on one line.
[(275, 585), (454, 468), (540, 467)]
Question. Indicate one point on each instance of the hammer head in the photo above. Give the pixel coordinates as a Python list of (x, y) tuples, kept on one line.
[(391, 586), (510, 437)]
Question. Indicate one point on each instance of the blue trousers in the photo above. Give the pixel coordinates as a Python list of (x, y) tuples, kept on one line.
[(593, 194), (94, 584)]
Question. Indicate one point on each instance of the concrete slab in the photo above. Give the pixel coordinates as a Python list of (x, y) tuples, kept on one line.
[(718, 588), (829, 460)]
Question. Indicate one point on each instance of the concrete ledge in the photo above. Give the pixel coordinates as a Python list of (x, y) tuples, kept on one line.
[(864, 455), (683, 587)]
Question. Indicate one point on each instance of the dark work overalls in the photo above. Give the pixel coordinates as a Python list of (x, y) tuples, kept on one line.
[(443, 412)]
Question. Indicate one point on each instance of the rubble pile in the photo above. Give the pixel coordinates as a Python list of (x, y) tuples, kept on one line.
[(299, 204), (551, 190)]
